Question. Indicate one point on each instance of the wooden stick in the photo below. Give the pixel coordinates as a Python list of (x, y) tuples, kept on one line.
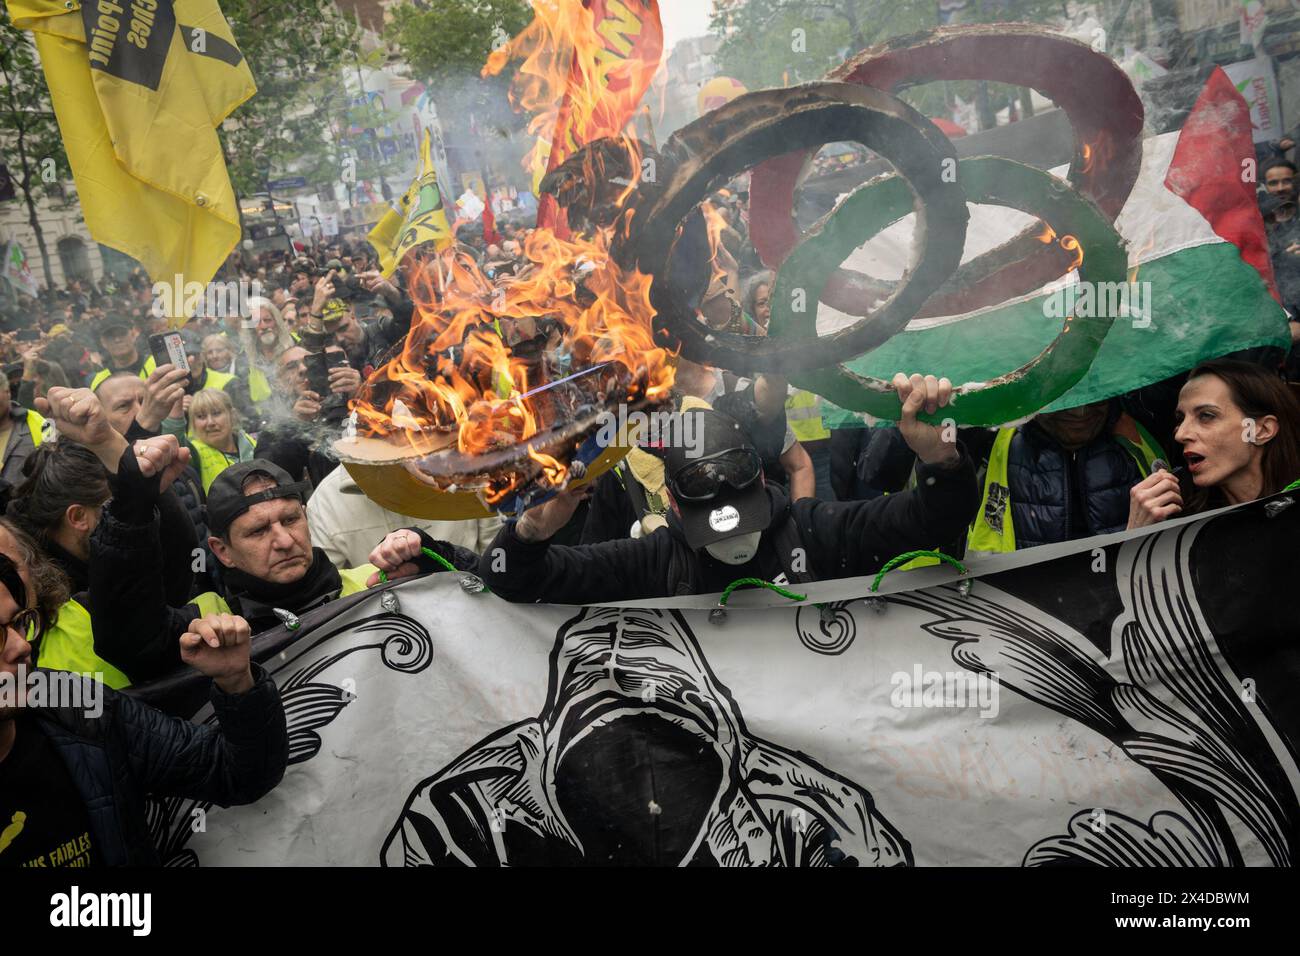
[(442, 280)]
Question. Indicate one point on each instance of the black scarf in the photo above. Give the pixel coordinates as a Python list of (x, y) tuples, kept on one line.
[(255, 600)]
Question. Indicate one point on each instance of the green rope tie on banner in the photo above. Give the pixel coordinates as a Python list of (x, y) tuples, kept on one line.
[(758, 583), (912, 556), (447, 566), (1292, 487)]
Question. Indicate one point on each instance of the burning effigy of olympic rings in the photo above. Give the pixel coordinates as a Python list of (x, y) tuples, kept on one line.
[(497, 398)]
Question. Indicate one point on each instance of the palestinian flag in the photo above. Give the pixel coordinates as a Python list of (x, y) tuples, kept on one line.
[(1197, 249)]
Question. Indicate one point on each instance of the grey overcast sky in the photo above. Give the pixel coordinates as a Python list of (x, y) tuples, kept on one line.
[(684, 18)]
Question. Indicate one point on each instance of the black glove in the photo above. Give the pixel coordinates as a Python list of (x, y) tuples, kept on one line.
[(135, 497), (462, 559)]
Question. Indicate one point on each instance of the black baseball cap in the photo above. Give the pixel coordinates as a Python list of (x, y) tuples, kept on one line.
[(113, 321), (705, 449), (226, 498)]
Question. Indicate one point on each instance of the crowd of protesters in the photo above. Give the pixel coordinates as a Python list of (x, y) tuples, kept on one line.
[(157, 516)]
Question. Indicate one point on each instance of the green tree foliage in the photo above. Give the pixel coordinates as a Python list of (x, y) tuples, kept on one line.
[(298, 51), (446, 44), (766, 43), (29, 131)]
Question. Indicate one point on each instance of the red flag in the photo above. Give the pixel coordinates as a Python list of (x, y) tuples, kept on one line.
[(631, 41), (1214, 148), (490, 235)]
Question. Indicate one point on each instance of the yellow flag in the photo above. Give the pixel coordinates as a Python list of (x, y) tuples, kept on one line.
[(419, 215), (139, 88)]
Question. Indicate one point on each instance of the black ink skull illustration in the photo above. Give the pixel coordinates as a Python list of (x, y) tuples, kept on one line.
[(640, 756)]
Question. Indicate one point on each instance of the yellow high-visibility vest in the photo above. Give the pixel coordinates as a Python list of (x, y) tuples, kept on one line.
[(803, 413), (994, 530), (214, 378), (39, 427), (259, 389), (213, 461), (354, 582), (70, 646)]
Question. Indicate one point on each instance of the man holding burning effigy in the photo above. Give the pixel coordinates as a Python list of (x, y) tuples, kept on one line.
[(725, 523)]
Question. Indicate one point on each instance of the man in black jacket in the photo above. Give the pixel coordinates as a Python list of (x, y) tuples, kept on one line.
[(74, 771), (364, 344), (257, 527), (725, 524), (1060, 477)]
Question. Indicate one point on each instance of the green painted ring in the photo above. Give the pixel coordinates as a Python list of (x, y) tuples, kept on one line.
[(986, 179)]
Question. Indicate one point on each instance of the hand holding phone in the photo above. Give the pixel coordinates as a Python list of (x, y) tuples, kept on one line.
[(167, 348), (318, 372)]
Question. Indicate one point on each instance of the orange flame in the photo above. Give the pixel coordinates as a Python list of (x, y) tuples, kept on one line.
[(462, 378), (1146, 247), (459, 382), (1071, 244), (1068, 243), (715, 223), (575, 86), (1102, 150), (556, 474)]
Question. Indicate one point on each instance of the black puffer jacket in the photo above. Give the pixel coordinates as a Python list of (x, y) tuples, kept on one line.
[(1059, 496), (133, 749), (839, 540)]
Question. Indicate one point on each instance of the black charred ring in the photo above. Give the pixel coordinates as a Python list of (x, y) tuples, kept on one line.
[(593, 184), (666, 236)]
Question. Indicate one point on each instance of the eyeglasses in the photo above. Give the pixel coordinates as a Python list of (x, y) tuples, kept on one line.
[(704, 479), (29, 623)]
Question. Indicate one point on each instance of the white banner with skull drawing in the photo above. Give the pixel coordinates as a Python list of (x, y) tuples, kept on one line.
[(1121, 701)]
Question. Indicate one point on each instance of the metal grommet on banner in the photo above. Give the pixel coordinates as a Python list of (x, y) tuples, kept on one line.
[(200, 199), (390, 603), (875, 604), (471, 583), (288, 618), (1275, 508), (964, 588), (718, 616)]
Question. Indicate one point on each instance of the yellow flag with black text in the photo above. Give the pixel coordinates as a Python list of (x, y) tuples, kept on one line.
[(139, 88), (419, 215)]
